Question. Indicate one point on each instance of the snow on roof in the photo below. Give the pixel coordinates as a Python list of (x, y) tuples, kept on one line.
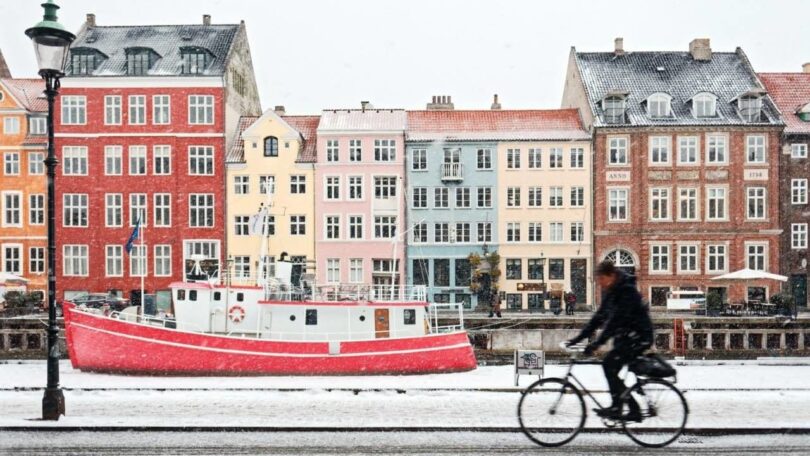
[(305, 125), (495, 125), (791, 93), (28, 92), (370, 119)]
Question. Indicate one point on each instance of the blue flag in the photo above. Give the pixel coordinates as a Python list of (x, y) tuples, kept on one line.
[(135, 234)]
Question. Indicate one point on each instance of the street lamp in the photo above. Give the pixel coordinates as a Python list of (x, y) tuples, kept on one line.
[(51, 44)]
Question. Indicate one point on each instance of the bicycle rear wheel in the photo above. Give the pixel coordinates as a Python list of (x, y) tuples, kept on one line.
[(663, 410), (551, 412)]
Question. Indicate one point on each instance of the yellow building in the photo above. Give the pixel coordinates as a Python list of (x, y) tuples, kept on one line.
[(271, 164)]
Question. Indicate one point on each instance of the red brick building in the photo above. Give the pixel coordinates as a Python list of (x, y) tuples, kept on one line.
[(686, 167), (143, 123)]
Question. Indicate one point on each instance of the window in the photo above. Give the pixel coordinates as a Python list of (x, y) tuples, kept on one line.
[(658, 106), (441, 273), (356, 270), (577, 232), (163, 209), (332, 184), (12, 259), (11, 163), (555, 156), (577, 157), (385, 150), (201, 210), (536, 158), (333, 270), (716, 198), (716, 254), (12, 209), (409, 316), (137, 109), (441, 232), (385, 227), (385, 187), (659, 204), (513, 232), (114, 261), (355, 150), (704, 105), (271, 146), (113, 210), (11, 125), (420, 271), (138, 259), (535, 232), (137, 160), (112, 110), (556, 232), (36, 260), (535, 196), (441, 197), (617, 204), (556, 269), (687, 258), (484, 197), (161, 110), (241, 185), (298, 184), (37, 125), (74, 161), (113, 160), (659, 258), (195, 60), (84, 61), (74, 260), (555, 197), (139, 61), (463, 197), (514, 301), (420, 233), (298, 225), (36, 163), (419, 160), (163, 260), (514, 269), (756, 203), (798, 191), (74, 209), (687, 150), (687, 204), (484, 159), (513, 197), (74, 109), (614, 109), (750, 107), (419, 200), (269, 226), (162, 160), (798, 151), (484, 232), (755, 148), (577, 196), (659, 150), (513, 159), (617, 151), (536, 266), (332, 227), (36, 209), (241, 225), (798, 236), (201, 161), (462, 232), (355, 187), (756, 258), (267, 184), (332, 150), (201, 109), (137, 208), (716, 149)]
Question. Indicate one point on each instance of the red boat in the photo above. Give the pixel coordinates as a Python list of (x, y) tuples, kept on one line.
[(259, 330)]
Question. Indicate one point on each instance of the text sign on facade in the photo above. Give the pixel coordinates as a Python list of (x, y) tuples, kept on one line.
[(756, 175), (529, 286), (529, 362), (622, 176)]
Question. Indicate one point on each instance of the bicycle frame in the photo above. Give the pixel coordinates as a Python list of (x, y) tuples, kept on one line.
[(569, 375)]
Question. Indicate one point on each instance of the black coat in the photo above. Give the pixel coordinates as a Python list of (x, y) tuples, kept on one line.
[(623, 316)]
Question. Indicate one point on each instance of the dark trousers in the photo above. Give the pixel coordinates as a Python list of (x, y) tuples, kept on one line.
[(620, 356)]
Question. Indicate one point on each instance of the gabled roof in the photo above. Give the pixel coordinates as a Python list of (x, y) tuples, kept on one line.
[(495, 125), (306, 126), (640, 74), (28, 93), (790, 92), (371, 119), (165, 40)]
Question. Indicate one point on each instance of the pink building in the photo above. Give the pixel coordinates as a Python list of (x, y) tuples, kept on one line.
[(359, 197)]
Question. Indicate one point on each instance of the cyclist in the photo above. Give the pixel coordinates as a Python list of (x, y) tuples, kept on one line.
[(627, 321)]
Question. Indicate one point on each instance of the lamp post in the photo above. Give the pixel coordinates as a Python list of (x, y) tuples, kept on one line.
[(51, 44)]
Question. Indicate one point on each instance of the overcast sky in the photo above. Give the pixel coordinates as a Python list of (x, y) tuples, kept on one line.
[(315, 54)]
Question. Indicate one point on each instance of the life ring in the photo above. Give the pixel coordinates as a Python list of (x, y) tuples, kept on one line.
[(236, 314)]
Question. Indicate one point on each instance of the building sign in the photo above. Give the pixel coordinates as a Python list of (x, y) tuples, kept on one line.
[(660, 175), (528, 286), (529, 362), (688, 175), (623, 176), (717, 175), (756, 175)]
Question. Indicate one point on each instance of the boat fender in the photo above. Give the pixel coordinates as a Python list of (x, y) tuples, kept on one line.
[(236, 314)]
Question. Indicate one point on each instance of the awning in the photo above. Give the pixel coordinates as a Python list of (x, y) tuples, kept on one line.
[(750, 274), (5, 277)]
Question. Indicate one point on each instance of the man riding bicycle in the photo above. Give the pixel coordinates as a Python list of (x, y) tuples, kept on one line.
[(627, 321)]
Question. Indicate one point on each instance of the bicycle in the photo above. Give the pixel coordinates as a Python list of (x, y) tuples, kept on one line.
[(552, 411)]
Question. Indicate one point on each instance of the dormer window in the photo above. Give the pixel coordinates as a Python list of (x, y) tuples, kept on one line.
[(704, 105), (85, 60), (804, 112), (195, 60), (750, 107), (659, 106), (614, 107), (140, 61), (271, 146)]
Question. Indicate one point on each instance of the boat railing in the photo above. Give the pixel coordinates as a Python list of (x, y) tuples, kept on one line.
[(369, 293), (446, 309)]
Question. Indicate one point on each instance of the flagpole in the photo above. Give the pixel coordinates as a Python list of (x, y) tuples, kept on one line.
[(143, 265)]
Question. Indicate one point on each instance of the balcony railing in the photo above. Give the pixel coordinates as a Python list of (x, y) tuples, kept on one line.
[(452, 172)]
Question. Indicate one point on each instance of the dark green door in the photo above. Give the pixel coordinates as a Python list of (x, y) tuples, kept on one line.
[(798, 286), (579, 281)]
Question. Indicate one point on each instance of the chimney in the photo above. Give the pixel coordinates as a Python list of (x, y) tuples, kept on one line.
[(279, 109), (365, 105), (4, 71), (206, 19), (806, 68), (91, 20), (700, 49), (495, 105), (440, 103), (618, 46)]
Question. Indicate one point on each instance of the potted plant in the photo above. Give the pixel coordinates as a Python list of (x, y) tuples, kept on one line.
[(714, 304)]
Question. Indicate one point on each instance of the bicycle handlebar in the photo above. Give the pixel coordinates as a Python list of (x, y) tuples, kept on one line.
[(573, 349)]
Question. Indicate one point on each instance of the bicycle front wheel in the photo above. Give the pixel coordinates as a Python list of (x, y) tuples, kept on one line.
[(551, 412), (663, 412)]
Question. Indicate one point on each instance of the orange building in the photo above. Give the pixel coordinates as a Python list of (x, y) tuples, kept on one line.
[(23, 143)]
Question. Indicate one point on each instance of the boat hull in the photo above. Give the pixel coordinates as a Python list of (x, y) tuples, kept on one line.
[(102, 344)]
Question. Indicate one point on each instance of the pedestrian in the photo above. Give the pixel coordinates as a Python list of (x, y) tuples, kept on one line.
[(495, 306), (570, 302)]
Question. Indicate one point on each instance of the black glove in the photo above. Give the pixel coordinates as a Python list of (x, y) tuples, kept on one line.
[(572, 342), (589, 350)]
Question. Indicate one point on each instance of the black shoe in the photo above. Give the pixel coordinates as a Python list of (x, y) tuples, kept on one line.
[(491, 315), (612, 412), (633, 415)]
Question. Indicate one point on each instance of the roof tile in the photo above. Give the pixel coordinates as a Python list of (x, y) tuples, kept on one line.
[(495, 125), (790, 91), (28, 92)]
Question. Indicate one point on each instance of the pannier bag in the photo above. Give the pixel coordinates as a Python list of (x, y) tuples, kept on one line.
[(652, 365)]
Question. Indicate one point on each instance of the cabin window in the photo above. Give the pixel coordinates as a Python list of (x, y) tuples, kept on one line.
[(240, 297), (312, 317), (217, 295), (409, 316), (181, 295), (192, 295)]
